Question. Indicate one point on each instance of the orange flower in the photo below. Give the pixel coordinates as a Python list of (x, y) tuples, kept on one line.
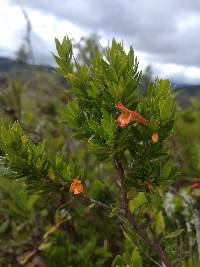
[(154, 137), (196, 185), (128, 116), (76, 186)]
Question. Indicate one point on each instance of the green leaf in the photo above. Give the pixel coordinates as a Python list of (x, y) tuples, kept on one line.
[(114, 212), (174, 234), (190, 264), (64, 57), (137, 202), (118, 262), (159, 223), (136, 260), (93, 90), (4, 226), (108, 123), (70, 114), (129, 235), (167, 168), (32, 200)]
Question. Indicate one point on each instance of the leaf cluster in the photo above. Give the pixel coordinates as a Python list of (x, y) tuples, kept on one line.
[(30, 161), (111, 78)]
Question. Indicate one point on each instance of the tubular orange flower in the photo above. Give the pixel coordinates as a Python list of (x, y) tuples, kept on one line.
[(154, 137), (76, 186), (196, 185), (128, 116)]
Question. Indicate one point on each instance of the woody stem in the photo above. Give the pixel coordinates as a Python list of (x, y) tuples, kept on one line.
[(151, 242)]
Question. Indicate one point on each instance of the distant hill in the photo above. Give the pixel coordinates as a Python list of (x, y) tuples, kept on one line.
[(185, 92), (12, 69), (193, 90), (7, 64)]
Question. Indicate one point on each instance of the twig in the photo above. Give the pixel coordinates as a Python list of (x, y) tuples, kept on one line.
[(135, 226), (28, 31), (95, 202), (151, 259)]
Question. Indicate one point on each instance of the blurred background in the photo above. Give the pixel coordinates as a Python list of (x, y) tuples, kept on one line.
[(164, 34)]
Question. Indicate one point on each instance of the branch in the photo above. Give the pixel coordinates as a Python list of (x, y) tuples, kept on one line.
[(136, 227), (28, 31), (95, 202)]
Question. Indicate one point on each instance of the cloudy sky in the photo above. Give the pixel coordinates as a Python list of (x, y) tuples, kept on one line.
[(164, 33)]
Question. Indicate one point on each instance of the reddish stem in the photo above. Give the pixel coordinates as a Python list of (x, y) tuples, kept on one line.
[(153, 243)]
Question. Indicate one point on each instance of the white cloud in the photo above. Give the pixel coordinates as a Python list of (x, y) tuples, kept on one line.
[(163, 33), (10, 29), (180, 73), (45, 27)]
